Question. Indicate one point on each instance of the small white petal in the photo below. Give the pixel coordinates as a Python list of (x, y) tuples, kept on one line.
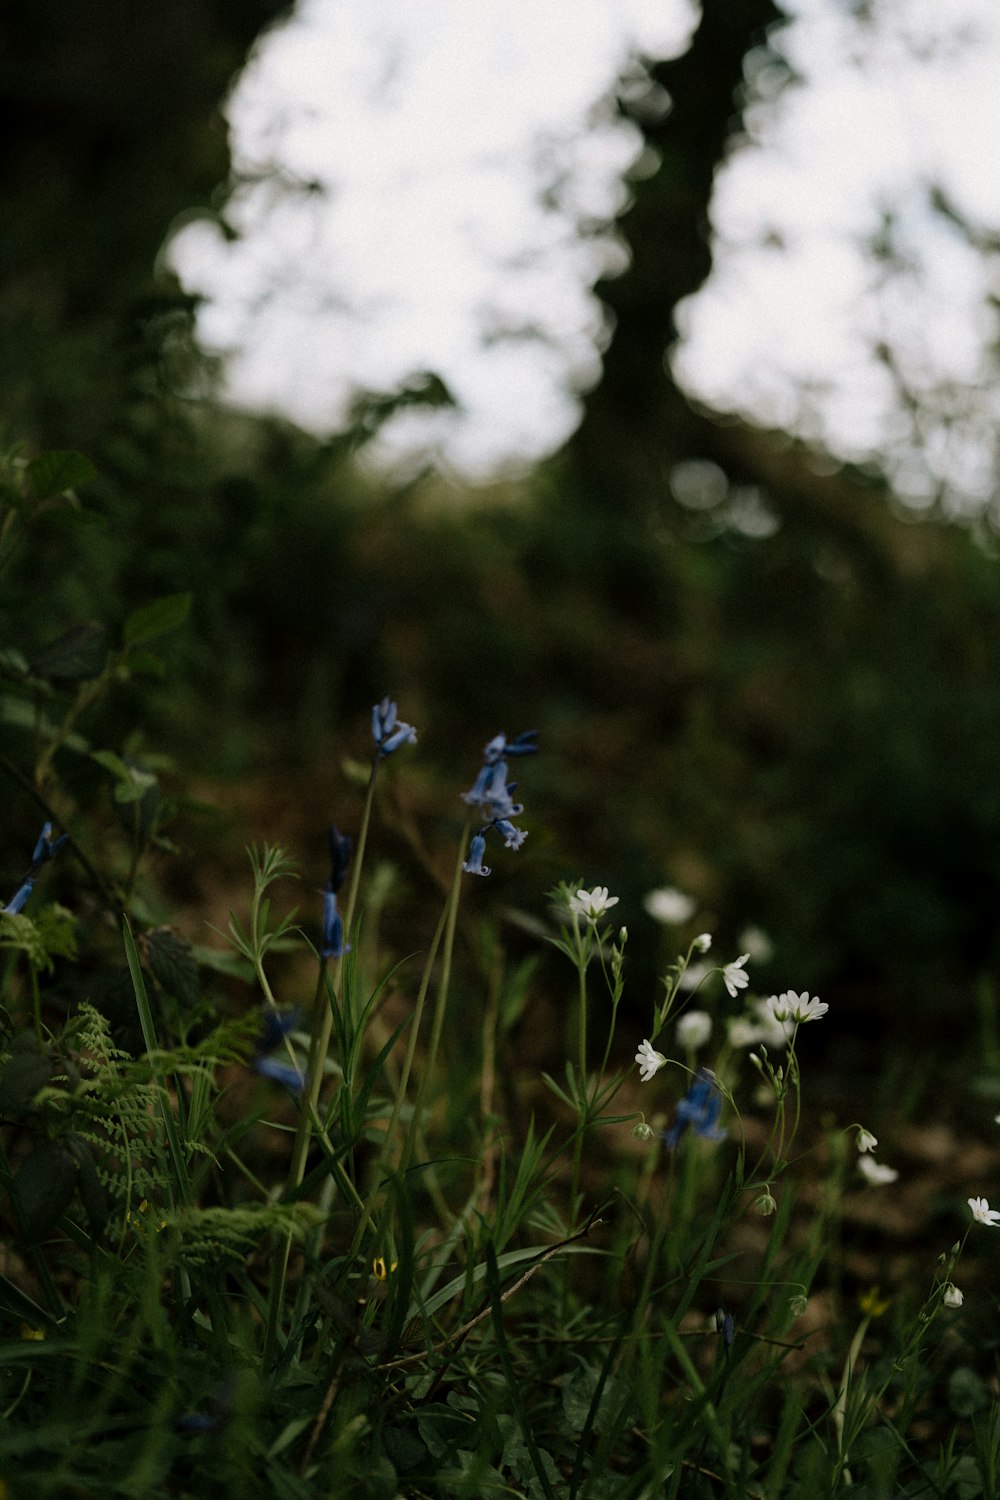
[(866, 1141), (670, 905), (650, 1061), (592, 904), (983, 1214), (952, 1296), (874, 1172), (734, 977), (694, 1028)]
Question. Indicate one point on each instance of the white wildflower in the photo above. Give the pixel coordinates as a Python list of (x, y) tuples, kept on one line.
[(797, 1008), (952, 1296), (670, 905), (592, 904), (734, 976), (866, 1141), (878, 1175), (983, 1214), (650, 1061), (744, 1033), (702, 942), (694, 1028), (757, 943)]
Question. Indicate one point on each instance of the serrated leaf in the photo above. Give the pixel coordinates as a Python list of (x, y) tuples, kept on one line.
[(56, 927), (156, 619), (20, 932), (54, 473), (21, 1077), (44, 1184), (75, 656)]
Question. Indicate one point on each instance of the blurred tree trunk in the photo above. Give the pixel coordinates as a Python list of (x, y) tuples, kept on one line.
[(111, 127), (636, 423)]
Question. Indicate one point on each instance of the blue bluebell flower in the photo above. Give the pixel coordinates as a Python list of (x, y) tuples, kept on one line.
[(388, 731), (46, 848), (276, 1026), (490, 790), (279, 1072), (699, 1110), (474, 864), (341, 848), (494, 795), (20, 896), (333, 945), (500, 745), (724, 1325), (333, 927)]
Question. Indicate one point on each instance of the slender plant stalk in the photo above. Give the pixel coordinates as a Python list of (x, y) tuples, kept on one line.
[(322, 1027), (581, 1083), (441, 1003)]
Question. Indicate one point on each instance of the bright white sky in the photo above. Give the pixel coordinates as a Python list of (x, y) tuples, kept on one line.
[(458, 145)]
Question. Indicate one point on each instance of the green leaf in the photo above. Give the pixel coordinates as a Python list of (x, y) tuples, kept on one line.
[(78, 654), (44, 1184), (156, 619), (169, 958), (134, 782), (54, 473), (113, 763)]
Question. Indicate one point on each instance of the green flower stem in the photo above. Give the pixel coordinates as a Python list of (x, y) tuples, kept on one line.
[(450, 916), (322, 1027), (581, 1084)]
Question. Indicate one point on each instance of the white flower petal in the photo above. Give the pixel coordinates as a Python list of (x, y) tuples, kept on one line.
[(650, 1061), (876, 1173)]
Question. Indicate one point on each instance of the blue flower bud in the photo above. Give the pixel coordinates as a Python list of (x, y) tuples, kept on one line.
[(333, 927), (388, 731), (19, 898), (278, 1072), (276, 1026), (699, 1110), (474, 864)]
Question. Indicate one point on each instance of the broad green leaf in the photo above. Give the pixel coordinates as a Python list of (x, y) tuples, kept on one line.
[(156, 619), (53, 473)]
